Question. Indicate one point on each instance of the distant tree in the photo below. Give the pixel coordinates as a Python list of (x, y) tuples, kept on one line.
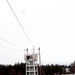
[(2, 72), (12, 72), (72, 67), (20, 69)]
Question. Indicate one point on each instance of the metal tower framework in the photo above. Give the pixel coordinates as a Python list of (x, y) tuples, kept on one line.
[(31, 63)]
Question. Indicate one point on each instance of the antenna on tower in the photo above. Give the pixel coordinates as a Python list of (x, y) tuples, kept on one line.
[(33, 50)]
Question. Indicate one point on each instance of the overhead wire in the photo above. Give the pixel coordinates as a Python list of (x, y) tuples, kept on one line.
[(9, 52), (20, 23), (23, 31), (9, 47), (11, 43)]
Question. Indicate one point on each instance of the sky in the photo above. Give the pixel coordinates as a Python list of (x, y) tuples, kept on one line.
[(50, 25)]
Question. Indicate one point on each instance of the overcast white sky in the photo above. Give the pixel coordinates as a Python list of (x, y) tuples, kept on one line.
[(50, 24)]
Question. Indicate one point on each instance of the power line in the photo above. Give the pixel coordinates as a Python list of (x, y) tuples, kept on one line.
[(19, 23), (8, 52), (13, 51), (9, 47), (11, 43)]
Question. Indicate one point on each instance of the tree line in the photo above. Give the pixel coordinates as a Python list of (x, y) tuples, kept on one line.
[(19, 69)]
